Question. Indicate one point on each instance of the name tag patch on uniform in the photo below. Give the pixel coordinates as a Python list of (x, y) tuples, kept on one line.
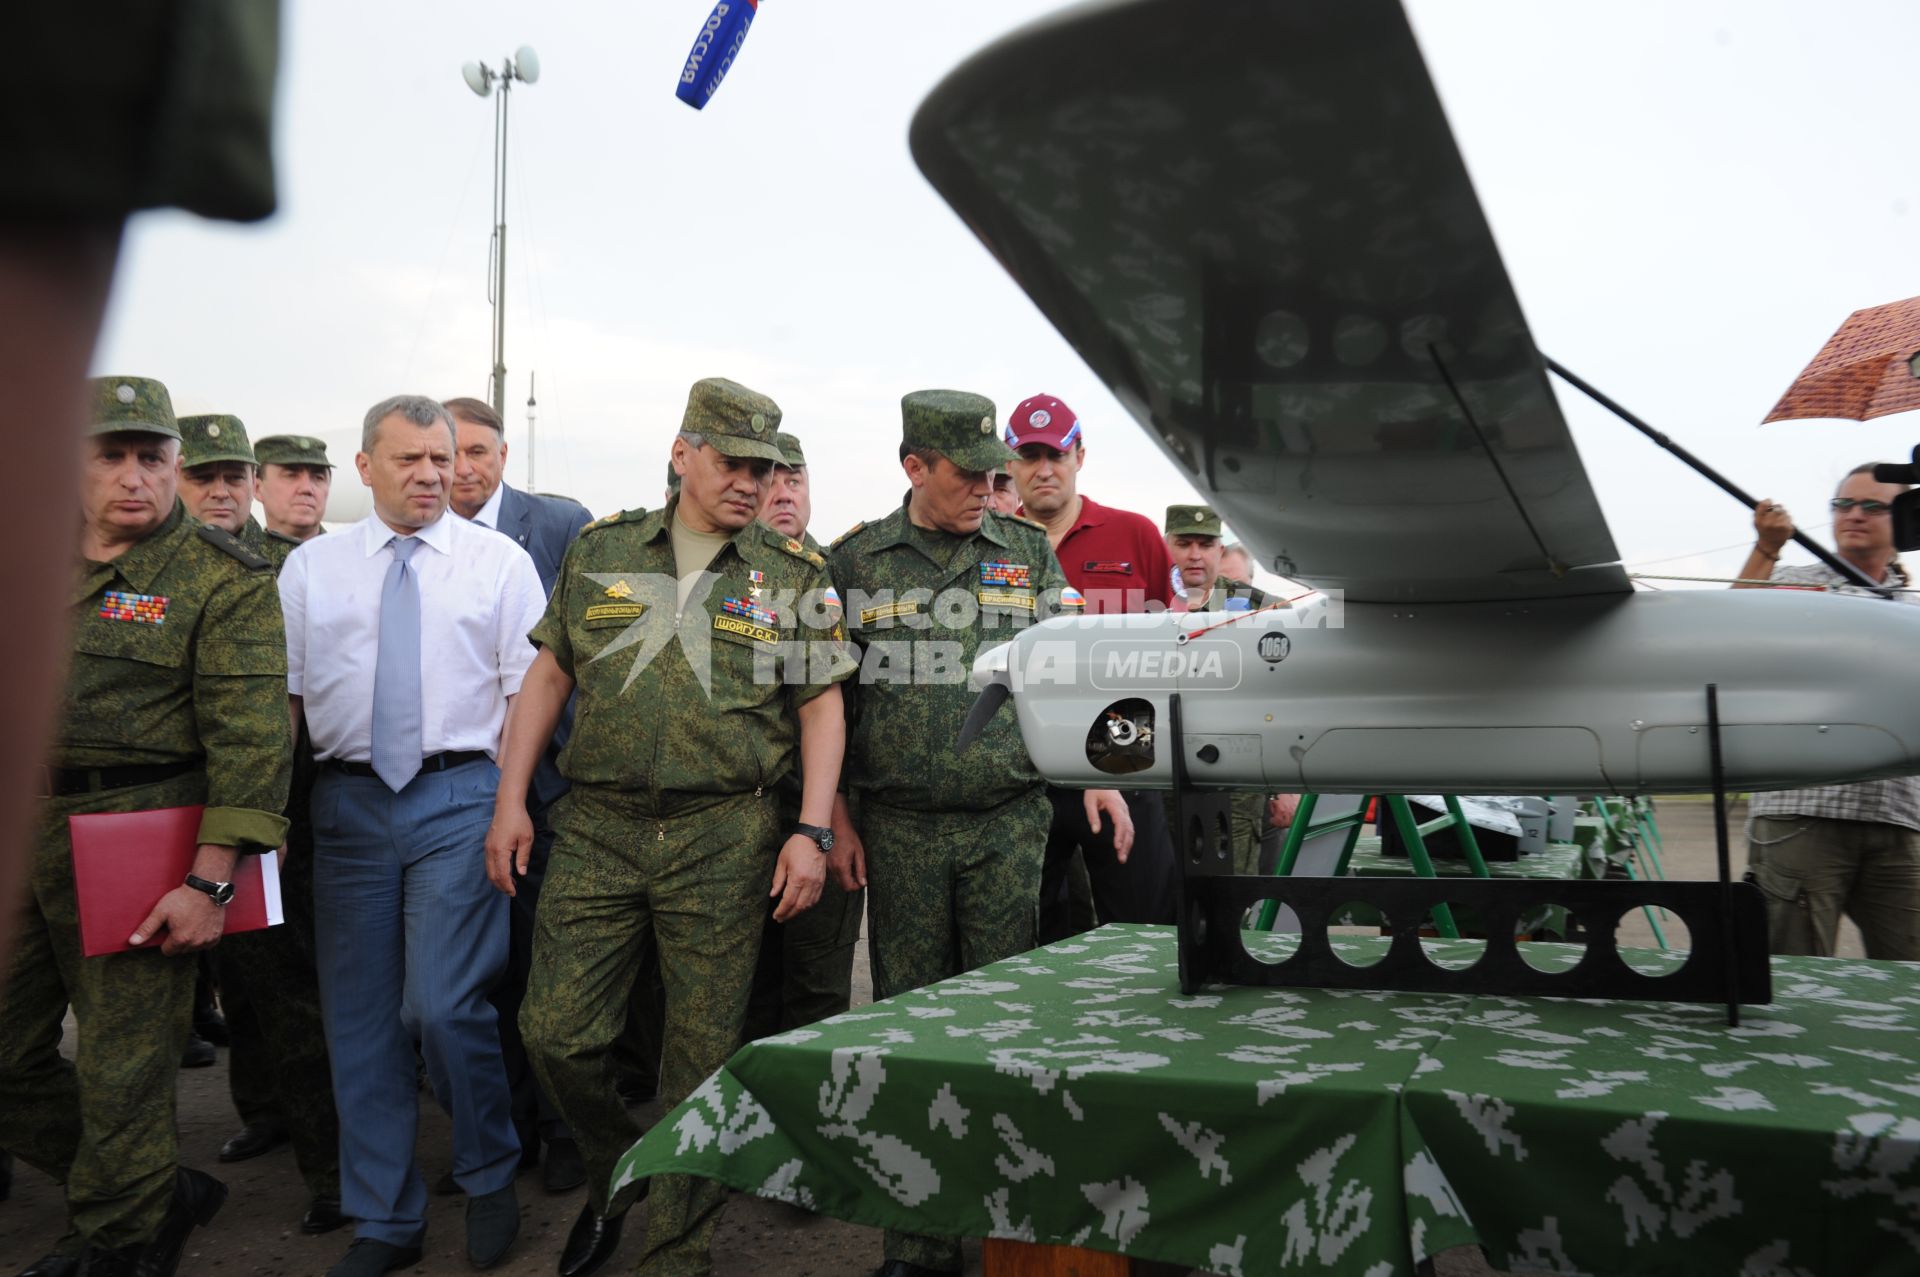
[(887, 611), (1119, 567), (727, 624), (604, 612), (142, 609), (1000, 598), (749, 610), (1017, 575)]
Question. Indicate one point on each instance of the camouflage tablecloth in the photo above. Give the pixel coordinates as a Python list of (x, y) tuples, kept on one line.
[(1073, 1095)]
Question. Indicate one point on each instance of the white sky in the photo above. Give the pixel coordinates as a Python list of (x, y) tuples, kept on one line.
[(1690, 199)]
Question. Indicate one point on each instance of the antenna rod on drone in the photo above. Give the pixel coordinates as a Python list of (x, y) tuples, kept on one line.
[(1713, 476)]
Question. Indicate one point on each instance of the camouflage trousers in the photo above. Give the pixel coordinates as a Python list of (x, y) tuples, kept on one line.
[(948, 892), (1248, 824), (103, 1124), (697, 885), (279, 1054)]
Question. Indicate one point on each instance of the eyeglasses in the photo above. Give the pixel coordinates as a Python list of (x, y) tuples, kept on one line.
[(1844, 504)]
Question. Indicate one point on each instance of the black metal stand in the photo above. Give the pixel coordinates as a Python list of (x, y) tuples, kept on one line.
[(1727, 921), (1725, 852)]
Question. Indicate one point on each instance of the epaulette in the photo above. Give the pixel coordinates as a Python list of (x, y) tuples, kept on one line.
[(221, 539), (795, 548), (1035, 524), (281, 536), (848, 533), (618, 516)]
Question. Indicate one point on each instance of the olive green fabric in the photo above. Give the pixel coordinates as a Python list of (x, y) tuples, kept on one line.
[(132, 404), (102, 1123), (696, 885), (805, 973), (957, 425), (733, 419), (110, 108), (920, 605), (792, 455), (213, 437), (1247, 824), (1192, 521), (687, 712), (1228, 595), (291, 450), (950, 893), (178, 657), (206, 684)]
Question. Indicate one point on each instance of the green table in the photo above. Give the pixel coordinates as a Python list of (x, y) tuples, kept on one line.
[(1073, 1096)]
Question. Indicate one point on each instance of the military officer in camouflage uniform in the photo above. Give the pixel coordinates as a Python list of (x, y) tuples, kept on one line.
[(948, 844), (706, 650), (278, 1075), (218, 478), (806, 963), (295, 477), (1193, 539), (175, 696)]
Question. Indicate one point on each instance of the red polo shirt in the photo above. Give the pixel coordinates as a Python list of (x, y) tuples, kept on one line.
[(1117, 559)]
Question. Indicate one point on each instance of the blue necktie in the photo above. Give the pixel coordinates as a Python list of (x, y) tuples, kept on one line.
[(396, 673)]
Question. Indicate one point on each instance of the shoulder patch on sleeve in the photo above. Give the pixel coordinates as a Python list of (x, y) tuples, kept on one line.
[(618, 516), (847, 534), (227, 543)]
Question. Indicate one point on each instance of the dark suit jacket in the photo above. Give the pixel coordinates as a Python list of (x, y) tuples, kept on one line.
[(544, 527)]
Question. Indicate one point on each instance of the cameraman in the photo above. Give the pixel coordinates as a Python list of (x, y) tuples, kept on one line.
[(1819, 852)]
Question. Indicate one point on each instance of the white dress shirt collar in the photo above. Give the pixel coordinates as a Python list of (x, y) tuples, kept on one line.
[(489, 515), (438, 534)]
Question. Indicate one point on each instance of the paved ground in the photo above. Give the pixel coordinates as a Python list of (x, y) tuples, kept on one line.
[(256, 1232)]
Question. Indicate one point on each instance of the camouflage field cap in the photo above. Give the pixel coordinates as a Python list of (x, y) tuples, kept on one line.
[(957, 425), (792, 455), (217, 437), (738, 422), (1192, 521), (292, 450), (138, 404)]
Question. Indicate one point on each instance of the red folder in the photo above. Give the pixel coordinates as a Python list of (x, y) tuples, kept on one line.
[(123, 862)]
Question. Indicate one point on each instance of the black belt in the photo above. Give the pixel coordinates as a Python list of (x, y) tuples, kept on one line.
[(63, 782), (431, 763)]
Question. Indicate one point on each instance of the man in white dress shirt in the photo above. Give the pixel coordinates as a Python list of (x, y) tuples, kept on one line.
[(406, 641)]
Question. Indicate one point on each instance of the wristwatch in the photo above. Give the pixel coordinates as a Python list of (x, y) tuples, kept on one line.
[(221, 893), (822, 837)]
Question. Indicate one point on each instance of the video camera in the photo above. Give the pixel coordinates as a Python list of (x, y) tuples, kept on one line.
[(1906, 506)]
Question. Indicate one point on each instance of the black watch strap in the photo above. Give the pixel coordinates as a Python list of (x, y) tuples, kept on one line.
[(220, 892), (821, 835)]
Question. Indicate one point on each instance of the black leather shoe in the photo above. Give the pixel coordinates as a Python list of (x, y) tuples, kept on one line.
[(591, 1243), (52, 1266), (323, 1216), (564, 1170), (254, 1139), (211, 1025), (370, 1258), (198, 1054), (901, 1268), (197, 1198), (493, 1221), (121, 1262)]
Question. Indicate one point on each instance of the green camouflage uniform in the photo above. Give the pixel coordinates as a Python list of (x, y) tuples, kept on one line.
[(179, 659), (277, 1058), (953, 841), (670, 830), (1248, 822), (806, 963)]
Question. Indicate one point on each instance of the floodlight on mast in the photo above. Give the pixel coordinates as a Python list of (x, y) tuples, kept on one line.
[(523, 66)]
